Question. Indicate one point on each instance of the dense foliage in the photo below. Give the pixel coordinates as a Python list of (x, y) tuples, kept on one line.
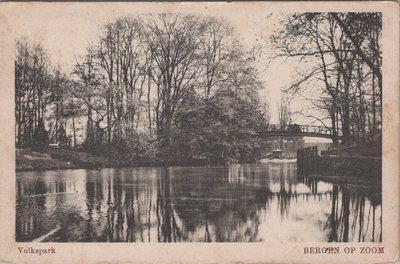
[(223, 127)]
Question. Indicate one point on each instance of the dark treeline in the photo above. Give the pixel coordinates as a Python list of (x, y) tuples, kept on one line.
[(341, 54), (167, 85)]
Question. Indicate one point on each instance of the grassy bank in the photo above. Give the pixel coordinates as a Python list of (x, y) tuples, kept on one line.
[(27, 159), (360, 166), (54, 159), (363, 150)]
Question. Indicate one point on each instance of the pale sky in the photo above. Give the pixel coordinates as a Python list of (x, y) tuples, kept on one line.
[(66, 32)]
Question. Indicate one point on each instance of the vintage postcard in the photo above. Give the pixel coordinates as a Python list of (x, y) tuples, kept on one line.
[(199, 132)]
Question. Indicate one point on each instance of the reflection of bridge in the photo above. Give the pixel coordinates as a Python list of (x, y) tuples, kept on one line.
[(299, 131)]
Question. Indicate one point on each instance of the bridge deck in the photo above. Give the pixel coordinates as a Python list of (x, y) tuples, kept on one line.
[(299, 131), (296, 134)]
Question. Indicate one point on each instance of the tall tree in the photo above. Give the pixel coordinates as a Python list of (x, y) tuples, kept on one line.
[(172, 42), (335, 50), (32, 89), (88, 90)]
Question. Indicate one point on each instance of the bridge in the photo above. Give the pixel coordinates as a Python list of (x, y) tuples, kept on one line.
[(294, 130)]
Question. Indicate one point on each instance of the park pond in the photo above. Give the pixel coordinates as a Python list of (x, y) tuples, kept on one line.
[(265, 202)]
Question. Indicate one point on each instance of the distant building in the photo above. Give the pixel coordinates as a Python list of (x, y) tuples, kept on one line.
[(277, 153), (286, 144)]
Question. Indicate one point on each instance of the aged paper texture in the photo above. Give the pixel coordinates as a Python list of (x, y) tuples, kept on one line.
[(199, 132)]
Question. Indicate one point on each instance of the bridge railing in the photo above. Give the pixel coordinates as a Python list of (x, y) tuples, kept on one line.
[(316, 129), (300, 129)]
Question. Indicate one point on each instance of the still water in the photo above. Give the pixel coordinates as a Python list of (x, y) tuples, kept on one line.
[(237, 203)]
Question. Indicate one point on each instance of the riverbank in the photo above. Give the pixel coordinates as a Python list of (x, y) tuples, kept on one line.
[(360, 166), (56, 159), (364, 162), (27, 160)]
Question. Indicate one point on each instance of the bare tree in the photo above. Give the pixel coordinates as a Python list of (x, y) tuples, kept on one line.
[(32, 89), (215, 47), (88, 90), (173, 46), (336, 45)]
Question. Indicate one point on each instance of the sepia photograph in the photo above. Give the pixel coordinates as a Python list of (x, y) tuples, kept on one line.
[(167, 128), (226, 123)]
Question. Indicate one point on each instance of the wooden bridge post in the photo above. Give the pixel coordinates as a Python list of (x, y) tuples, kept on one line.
[(315, 158), (307, 160), (298, 155)]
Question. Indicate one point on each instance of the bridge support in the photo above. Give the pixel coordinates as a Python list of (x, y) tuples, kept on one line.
[(307, 160)]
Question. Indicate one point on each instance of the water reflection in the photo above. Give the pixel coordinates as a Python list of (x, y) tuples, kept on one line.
[(258, 202)]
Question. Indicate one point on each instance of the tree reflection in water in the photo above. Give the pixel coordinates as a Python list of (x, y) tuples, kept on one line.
[(258, 202), (348, 221)]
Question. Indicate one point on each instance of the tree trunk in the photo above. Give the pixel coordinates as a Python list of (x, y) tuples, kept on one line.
[(334, 129), (148, 100), (373, 110), (108, 117), (19, 137), (346, 117)]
